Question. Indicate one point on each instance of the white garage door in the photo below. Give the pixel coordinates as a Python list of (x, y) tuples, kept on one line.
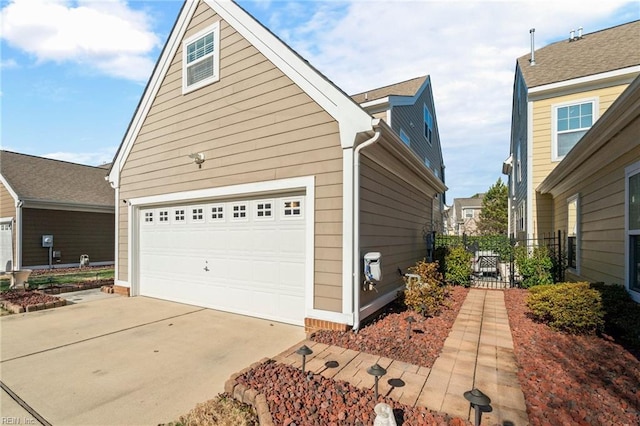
[(242, 256)]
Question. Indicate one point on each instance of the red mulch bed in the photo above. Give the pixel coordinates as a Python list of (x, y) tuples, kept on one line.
[(295, 399), (572, 380), (387, 334), (26, 298)]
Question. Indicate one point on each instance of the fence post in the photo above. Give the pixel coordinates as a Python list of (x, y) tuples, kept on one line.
[(560, 274)]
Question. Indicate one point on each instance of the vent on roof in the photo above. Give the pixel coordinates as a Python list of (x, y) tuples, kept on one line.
[(572, 34), (533, 52)]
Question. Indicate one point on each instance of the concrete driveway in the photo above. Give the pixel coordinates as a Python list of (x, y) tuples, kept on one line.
[(126, 361)]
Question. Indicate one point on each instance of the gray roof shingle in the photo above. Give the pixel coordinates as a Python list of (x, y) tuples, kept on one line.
[(53, 181), (404, 88), (598, 52)]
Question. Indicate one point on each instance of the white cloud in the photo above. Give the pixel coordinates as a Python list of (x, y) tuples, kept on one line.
[(105, 155), (8, 63), (468, 48), (104, 35)]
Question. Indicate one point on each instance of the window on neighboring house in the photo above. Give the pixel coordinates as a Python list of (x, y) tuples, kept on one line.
[(520, 216), (571, 122), (573, 232), (428, 124), (405, 137), (468, 213), (519, 163), (632, 221), (200, 57)]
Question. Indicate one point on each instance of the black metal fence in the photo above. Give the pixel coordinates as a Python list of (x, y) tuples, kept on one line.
[(498, 261)]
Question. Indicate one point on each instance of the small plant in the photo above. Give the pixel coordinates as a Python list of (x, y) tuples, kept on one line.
[(621, 314), (571, 307), (427, 295), (535, 267), (458, 266), (222, 411)]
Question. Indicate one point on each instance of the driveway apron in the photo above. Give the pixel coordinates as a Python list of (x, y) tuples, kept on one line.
[(127, 361)]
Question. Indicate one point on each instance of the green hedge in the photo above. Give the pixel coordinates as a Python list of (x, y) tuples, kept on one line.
[(571, 307), (458, 266), (621, 314)]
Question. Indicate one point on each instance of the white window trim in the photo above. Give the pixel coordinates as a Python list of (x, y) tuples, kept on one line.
[(629, 171), (272, 209), (575, 198), (292, 216), (166, 222), (247, 212), (215, 28), (554, 122), (190, 214), (223, 212), (405, 138)]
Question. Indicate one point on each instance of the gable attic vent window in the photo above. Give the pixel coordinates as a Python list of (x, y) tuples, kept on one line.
[(201, 58), (428, 124)]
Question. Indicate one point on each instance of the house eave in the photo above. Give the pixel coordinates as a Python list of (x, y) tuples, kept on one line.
[(66, 206), (621, 112)]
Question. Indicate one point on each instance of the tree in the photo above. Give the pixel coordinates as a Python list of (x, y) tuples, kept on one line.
[(494, 213)]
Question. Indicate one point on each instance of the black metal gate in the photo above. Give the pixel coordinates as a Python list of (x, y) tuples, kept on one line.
[(493, 257)]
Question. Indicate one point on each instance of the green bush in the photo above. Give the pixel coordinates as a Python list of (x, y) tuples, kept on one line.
[(535, 267), (426, 296), (621, 314), (572, 307), (458, 266)]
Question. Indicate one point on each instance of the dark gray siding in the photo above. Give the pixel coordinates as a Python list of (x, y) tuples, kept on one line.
[(518, 176)]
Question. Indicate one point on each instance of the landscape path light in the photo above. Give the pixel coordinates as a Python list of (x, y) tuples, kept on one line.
[(304, 351), (376, 371), (477, 400), (410, 320)]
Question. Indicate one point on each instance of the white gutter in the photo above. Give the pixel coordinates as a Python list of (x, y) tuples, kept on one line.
[(375, 123), (18, 225)]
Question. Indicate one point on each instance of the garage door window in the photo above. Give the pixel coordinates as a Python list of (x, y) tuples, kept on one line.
[(178, 216), (217, 213), (239, 212), (163, 216), (148, 217), (264, 209), (197, 214), (292, 208)]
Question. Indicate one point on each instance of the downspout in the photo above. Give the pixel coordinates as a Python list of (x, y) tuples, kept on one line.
[(18, 265), (375, 123)]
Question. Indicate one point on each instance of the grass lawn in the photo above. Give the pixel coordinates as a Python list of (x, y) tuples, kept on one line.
[(61, 277)]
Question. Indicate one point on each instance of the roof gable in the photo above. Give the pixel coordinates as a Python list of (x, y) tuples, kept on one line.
[(352, 119), (43, 180), (608, 50), (404, 88)]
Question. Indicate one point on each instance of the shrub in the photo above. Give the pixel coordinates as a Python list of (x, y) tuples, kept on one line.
[(621, 314), (427, 295), (535, 268), (458, 266), (572, 307)]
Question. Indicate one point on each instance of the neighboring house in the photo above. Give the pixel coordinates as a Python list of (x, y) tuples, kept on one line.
[(595, 194), (559, 93), (40, 197), (464, 215), (248, 182), (408, 107)]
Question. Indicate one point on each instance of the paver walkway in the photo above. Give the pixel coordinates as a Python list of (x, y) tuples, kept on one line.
[(477, 354)]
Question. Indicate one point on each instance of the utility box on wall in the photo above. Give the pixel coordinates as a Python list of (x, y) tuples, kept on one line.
[(47, 241)]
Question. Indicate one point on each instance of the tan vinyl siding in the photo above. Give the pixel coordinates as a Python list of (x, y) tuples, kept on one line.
[(7, 203), (600, 183), (542, 145), (253, 125), (74, 233), (393, 215)]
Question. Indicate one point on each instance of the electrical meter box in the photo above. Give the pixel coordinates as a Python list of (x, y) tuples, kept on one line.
[(47, 241), (373, 266)]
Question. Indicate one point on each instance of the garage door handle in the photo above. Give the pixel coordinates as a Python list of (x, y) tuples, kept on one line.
[(206, 266)]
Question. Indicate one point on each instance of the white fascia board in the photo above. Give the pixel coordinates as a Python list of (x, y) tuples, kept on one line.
[(9, 189), (590, 82), (76, 207), (381, 102), (529, 198), (155, 82), (6, 219), (351, 118)]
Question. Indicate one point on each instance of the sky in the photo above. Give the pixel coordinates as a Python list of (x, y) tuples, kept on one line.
[(73, 71)]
